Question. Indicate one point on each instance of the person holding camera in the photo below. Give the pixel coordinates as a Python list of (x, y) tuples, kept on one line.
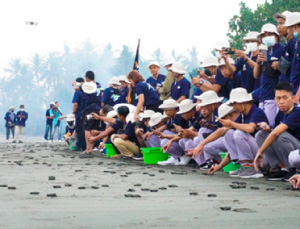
[(10, 121)]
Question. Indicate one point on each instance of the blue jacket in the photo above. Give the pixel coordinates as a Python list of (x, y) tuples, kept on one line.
[(21, 121), (10, 117)]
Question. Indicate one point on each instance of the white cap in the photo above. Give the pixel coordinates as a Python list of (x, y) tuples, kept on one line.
[(177, 67), (292, 19), (112, 114), (156, 118), (12, 107), (267, 28), (169, 104), (146, 114), (251, 36), (209, 60), (222, 62), (185, 106), (209, 97), (123, 78), (155, 63), (281, 15), (169, 60), (70, 118), (224, 110), (114, 81), (89, 87), (239, 95)]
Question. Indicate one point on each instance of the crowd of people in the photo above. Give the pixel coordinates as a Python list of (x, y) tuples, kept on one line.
[(247, 107)]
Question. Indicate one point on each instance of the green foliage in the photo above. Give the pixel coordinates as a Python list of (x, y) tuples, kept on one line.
[(249, 20)]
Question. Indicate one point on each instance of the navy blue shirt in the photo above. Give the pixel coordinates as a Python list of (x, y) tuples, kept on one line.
[(130, 132), (178, 120), (78, 98), (123, 95), (295, 68), (21, 121), (247, 80), (227, 84), (119, 125), (159, 80), (196, 92), (267, 83), (180, 88), (288, 54), (70, 130), (48, 121), (292, 120), (150, 95), (111, 96)]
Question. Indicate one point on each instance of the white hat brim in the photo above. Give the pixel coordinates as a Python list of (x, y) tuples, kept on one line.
[(212, 102), (186, 109)]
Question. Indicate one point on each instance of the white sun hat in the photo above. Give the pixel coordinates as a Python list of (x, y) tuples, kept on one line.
[(123, 78), (252, 35), (70, 118), (146, 114), (129, 117), (209, 97), (185, 106), (209, 60), (112, 114), (239, 95), (114, 81), (89, 87), (292, 19), (169, 60), (156, 118), (222, 62), (224, 110), (155, 63), (131, 107), (281, 15), (267, 28), (169, 104), (177, 67)]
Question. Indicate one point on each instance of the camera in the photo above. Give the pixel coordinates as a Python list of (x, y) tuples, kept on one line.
[(229, 50)]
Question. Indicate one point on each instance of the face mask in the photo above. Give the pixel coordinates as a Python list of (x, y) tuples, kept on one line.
[(269, 41), (218, 55), (252, 46), (296, 34), (21, 109), (12, 110)]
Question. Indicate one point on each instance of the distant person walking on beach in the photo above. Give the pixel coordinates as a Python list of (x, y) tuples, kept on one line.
[(10, 118), (21, 118)]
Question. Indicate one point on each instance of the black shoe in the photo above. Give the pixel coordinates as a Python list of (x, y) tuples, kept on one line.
[(207, 165), (278, 175), (138, 157), (288, 176)]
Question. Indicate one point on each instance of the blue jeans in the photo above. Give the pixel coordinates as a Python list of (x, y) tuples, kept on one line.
[(10, 129), (57, 128), (48, 129)]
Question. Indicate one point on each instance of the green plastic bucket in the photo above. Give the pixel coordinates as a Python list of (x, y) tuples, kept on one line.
[(110, 151), (152, 155), (71, 146), (230, 166)]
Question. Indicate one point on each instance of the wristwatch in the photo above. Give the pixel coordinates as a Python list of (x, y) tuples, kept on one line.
[(201, 82)]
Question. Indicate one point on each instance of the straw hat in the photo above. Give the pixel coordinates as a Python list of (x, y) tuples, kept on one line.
[(156, 118), (209, 60), (169, 104), (185, 106), (292, 19), (209, 97), (114, 81), (146, 114), (239, 95), (250, 36), (177, 67), (155, 63), (89, 87), (224, 110), (70, 118)]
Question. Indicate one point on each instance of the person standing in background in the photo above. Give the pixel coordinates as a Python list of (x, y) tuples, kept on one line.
[(56, 122), (21, 118), (50, 114), (156, 79), (10, 118), (165, 89)]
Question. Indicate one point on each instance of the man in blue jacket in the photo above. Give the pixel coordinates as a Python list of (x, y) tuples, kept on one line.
[(10, 118), (21, 118)]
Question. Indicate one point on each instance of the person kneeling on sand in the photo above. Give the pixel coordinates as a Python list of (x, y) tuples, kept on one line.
[(143, 126), (70, 134)]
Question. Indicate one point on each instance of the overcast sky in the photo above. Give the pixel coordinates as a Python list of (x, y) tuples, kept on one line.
[(168, 24)]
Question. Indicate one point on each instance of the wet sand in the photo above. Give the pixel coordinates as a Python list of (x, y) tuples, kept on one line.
[(176, 197)]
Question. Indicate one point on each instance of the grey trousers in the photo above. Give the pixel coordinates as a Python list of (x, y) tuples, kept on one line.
[(211, 150), (294, 159), (279, 150), (174, 149), (153, 141)]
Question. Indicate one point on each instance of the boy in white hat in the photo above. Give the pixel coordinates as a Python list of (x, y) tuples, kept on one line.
[(156, 79), (266, 71), (70, 133), (111, 94), (156, 121), (124, 89), (180, 88), (143, 127), (239, 140), (277, 143), (165, 89)]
